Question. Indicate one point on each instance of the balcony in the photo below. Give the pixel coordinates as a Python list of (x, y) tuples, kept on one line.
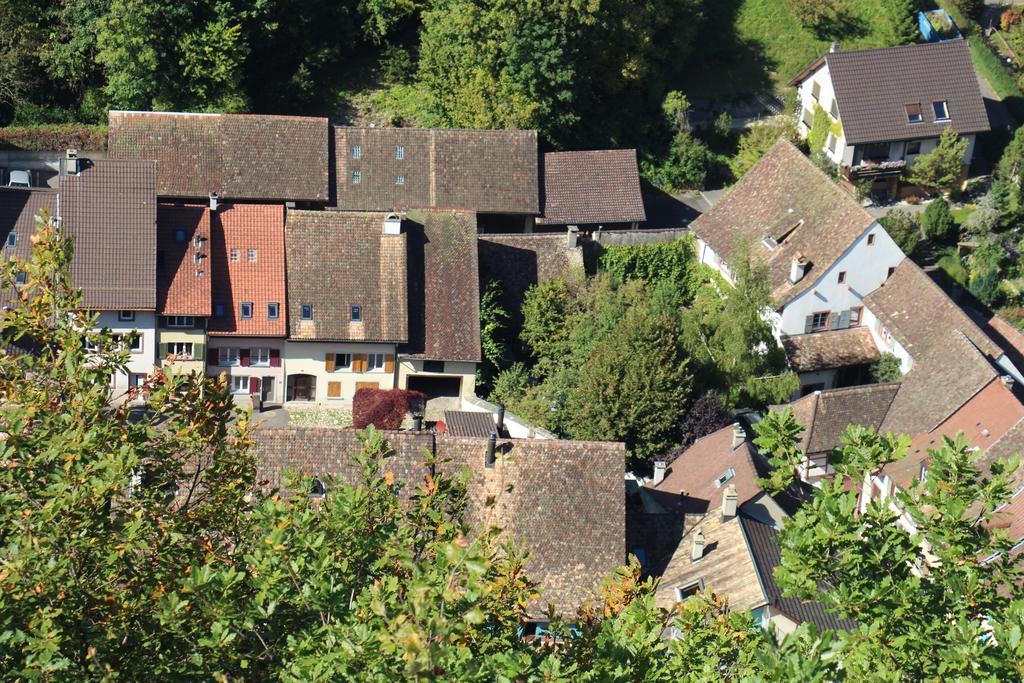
[(875, 169)]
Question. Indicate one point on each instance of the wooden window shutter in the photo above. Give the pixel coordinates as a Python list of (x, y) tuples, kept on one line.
[(359, 362), (809, 324), (844, 319), (163, 351), (275, 358), (833, 321), (243, 358), (254, 385), (334, 390), (329, 362), (197, 351), (389, 363)]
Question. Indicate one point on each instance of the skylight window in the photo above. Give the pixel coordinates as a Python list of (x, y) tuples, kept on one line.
[(234, 254), (357, 177), (179, 235), (357, 152), (399, 180), (400, 152), (356, 314), (941, 111), (726, 476), (914, 113), (12, 239), (252, 256), (246, 310), (306, 311)]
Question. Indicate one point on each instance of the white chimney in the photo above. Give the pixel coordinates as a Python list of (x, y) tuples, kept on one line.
[(659, 471), (573, 236), (393, 224), (70, 163), (738, 436), (213, 201), (698, 546), (1008, 381), (834, 47), (729, 502), (797, 268)]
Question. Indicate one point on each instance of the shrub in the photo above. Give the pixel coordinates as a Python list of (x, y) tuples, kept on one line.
[(1009, 17), (758, 140), (54, 138), (671, 261), (903, 227), (886, 368), (683, 168), (510, 384), (940, 168), (982, 220), (705, 415), (938, 223), (384, 408), (723, 125)]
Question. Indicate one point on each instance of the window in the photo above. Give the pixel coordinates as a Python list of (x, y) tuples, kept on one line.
[(12, 239), (726, 476), (198, 258), (179, 235), (815, 90), (871, 240), (374, 361), (318, 491), (342, 361), (807, 118), (181, 350), (913, 147), (227, 355), (126, 316), (218, 310), (399, 152), (399, 180), (180, 321), (252, 256), (832, 140), (245, 310), (856, 314), (260, 356), (273, 310), (433, 366), (240, 384), (234, 254), (941, 111), (834, 110), (307, 311), (356, 314), (892, 270), (21, 277), (842, 276), (922, 473), (357, 177), (914, 113), (687, 591), (357, 152), (819, 321), (136, 341)]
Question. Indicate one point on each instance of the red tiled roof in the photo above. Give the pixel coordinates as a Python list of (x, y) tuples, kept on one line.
[(183, 282), (244, 227), (588, 187)]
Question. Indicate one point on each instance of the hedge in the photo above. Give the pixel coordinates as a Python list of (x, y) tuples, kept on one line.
[(384, 408), (54, 138)]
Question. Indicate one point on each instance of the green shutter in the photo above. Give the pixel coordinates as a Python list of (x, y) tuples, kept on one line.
[(844, 319), (198, 351), (809, 324), (163, 351)]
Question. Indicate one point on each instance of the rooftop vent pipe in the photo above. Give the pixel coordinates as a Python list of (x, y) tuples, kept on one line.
[(213, 201), (797, 268), (393, 224), (698, 546), (492, 444), (501, 417)]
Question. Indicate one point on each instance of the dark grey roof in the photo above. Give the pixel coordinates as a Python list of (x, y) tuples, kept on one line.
[(764, 548), (588, 187), (873, 88), (469, 423)]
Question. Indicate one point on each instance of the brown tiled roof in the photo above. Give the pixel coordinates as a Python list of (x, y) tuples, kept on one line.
[(1010, 517), (837, 349), (469, 423), (564, 501), (827, 414), (236, 156), (488, 171), (1009, 338), (601, 186), (244, 227), (183, 282), (786, 197), (110, 211), (444, 286), (337, 260), (18, 211), (873, 88)]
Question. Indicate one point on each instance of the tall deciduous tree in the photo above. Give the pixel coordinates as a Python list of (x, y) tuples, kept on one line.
[(940, 169)]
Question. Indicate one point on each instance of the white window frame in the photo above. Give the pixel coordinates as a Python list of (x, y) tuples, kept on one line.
[(357, 151), (241, 310), (399, 152), (260, 356), (945, 110), (181, 350), (239, 384), (357, 177), (126, 316), (138, 341), (228, 356), (374, 361), (815, 90), (681, 590)]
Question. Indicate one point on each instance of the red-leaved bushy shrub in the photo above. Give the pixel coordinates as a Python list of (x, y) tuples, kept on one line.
[(383, 408), (55, 138)]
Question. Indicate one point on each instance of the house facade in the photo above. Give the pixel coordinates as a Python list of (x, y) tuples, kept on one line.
[(886, 107), (184, 289)]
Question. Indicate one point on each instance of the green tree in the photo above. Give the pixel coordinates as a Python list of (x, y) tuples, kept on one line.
[(941, 168), (937, 222), (684, 167), (815, 14), (548, 309), (821, 124), (756, 141), (903, 20), (493, 322), (886, 368), (904, 228)]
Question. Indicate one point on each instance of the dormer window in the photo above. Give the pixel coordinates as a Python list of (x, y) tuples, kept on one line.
[(914, 113), (356, 314), (306, 311), (941, 111), (399, 152), (357, 152)]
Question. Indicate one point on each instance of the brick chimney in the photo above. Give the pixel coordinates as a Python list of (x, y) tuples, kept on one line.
[(797, 268), (698, 546), (729, 498), (738, 436)]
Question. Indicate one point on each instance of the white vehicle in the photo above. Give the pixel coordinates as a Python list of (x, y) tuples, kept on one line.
[(20, 179)]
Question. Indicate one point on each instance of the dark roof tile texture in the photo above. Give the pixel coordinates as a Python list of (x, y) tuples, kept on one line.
[(469, 423), (827, 414), (601, 186), (237, 229), (787, 197), (18, 211), (183, 265), (873, 88), (824, 350), (444, 286), (488, 171), (337, 260), (236, 156), (110, 211)]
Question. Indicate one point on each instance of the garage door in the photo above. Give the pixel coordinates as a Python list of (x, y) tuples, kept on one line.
[(435, 387)]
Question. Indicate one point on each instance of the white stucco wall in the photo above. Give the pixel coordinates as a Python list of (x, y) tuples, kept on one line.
[(310, 358), (825, 98), (141, 362), (866, 267), (885, 342), (266, 373)]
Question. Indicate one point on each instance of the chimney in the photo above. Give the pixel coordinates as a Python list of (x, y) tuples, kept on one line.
[(834, 47), (1008, 381), (393, 224), (729, 502), (797, 268), (417, 423), (492, 444), (659, 471), (738, 436), (698, 546), (573, 236), (501, 417), (213, 201), (69, 165)]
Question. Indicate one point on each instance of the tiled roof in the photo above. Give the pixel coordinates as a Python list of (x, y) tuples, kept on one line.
[(110, 211), (183, 282), (564, 501), (786, 197), (469, 423), (837, 349), (762, 540), (873, 88), (1010, 517), (236, 156), (237, 229), (337, 260), (601, 186), (1009, 338), (487, 171), (444, 286), (18, 210), (827, 414)]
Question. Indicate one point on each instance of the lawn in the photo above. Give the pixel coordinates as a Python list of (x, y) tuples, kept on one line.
[(960, 214), (320, 417), (949, 263)]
